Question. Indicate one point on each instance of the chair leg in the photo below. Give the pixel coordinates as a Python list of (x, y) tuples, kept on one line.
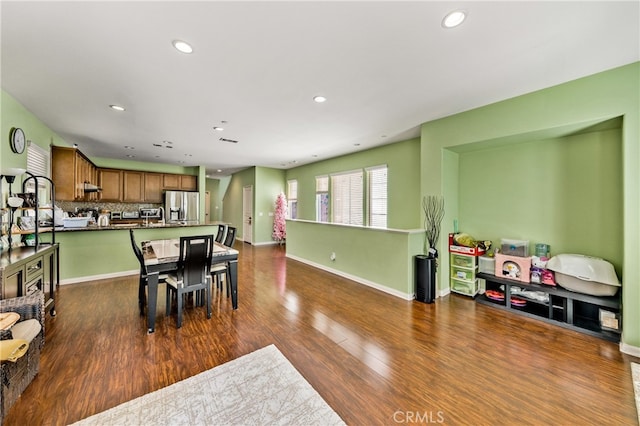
[(180, 303), (208, 291), (169, 293), (142, 296)]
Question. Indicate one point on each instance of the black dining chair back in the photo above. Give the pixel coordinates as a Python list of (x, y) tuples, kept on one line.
[(142, 284), (220, 234), (231, 236), (193, 272)]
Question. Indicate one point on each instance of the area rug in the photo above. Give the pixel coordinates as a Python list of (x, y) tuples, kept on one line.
[(261, 388), (635, 373)]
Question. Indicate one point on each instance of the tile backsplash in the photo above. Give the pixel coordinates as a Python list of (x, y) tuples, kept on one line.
[(71, 206)]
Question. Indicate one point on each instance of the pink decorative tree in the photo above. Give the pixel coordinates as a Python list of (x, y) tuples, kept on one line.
[(279, 219)]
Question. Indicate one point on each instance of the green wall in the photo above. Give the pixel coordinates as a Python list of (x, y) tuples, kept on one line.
[(232, 212), (566, 192), (13, 114), (269, 183), (555, 112), (403, 163), (215, 206)]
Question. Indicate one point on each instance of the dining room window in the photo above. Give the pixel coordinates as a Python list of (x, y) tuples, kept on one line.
[(322, 198), (377, 196), (292, 197), (347, 198)]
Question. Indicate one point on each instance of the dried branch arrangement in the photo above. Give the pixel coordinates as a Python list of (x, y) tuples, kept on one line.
[(433, 206)]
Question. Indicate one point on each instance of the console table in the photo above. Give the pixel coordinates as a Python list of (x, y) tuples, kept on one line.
[(25, 270), (572, 310)]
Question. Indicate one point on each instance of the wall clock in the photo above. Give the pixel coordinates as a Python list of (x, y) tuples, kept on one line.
[(17, 140)]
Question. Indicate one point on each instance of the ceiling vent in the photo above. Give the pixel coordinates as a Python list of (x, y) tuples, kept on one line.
[(228, 140)]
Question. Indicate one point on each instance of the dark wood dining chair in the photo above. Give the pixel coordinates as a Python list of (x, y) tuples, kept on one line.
[(193, 272), (219, 271), (220, 234), (230, 239), (142, 285)]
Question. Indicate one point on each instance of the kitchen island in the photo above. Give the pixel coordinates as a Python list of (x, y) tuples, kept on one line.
[(93, 253)]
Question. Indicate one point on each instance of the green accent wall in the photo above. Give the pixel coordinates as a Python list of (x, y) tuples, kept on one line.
[(269, 183), (566, 192), (232, 213), (13, 114), (403, 185), (556, 122)]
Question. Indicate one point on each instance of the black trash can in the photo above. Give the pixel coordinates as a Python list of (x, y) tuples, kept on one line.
[(425, 278)]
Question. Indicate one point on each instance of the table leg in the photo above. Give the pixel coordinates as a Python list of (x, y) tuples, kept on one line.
[(152, 283), (233, 277)]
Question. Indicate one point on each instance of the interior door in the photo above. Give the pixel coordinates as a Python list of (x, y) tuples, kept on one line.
[(247, 214)]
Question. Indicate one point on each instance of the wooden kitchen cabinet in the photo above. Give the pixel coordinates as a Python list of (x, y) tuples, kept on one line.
[(111, 184), (133, 186), (171, 182), (70, 170), (153, 187), (188, 183)]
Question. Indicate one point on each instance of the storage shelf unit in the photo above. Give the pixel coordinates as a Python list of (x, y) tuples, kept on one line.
[(463, 273), (575, 311)]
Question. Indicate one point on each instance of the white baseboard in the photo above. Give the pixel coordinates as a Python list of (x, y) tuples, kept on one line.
[(630, 350), (99, 277), (266, 243), (377, 286)]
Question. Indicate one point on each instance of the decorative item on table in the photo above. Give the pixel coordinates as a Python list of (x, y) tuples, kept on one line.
[(513, 267)]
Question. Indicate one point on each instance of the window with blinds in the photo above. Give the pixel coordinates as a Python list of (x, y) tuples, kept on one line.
[(377, 178), (322, 198), (292, 197), (38, 164), (347, 198), (37, 160)]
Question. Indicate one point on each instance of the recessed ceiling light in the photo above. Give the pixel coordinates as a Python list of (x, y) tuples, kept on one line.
[(128, 147), (117, 107), (130, 156), (182, 46), (219, 170), (453, 19), (315, 155), (319, 99), (219, 129), (356, 144)]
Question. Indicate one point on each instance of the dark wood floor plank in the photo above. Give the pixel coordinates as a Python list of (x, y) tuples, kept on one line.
[(374, 358)]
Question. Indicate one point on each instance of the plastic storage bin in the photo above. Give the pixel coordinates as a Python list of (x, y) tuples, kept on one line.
[(462, 261), (487, 265), (514, 247)]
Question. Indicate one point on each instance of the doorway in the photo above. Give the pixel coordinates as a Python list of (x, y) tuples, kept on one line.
[(247, 214)]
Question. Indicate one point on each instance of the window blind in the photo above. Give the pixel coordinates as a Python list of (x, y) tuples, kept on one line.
[(377, 178), (347, 196), (37, 160)]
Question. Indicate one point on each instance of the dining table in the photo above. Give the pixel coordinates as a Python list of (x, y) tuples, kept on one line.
[(161, 256)]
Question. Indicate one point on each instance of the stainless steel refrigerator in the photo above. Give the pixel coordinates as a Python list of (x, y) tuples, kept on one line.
[(181, 206)]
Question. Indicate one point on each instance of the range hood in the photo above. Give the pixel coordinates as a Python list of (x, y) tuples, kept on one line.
[(89, 187)]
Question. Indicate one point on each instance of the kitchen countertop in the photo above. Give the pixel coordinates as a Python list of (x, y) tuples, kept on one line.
[(129, 226)]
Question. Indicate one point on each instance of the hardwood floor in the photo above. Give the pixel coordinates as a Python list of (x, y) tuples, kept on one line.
[(375, 359)]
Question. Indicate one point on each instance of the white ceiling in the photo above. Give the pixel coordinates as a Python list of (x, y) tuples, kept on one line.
[(385, 67)]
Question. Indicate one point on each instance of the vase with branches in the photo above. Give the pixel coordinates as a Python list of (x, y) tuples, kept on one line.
[(433, 206)]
